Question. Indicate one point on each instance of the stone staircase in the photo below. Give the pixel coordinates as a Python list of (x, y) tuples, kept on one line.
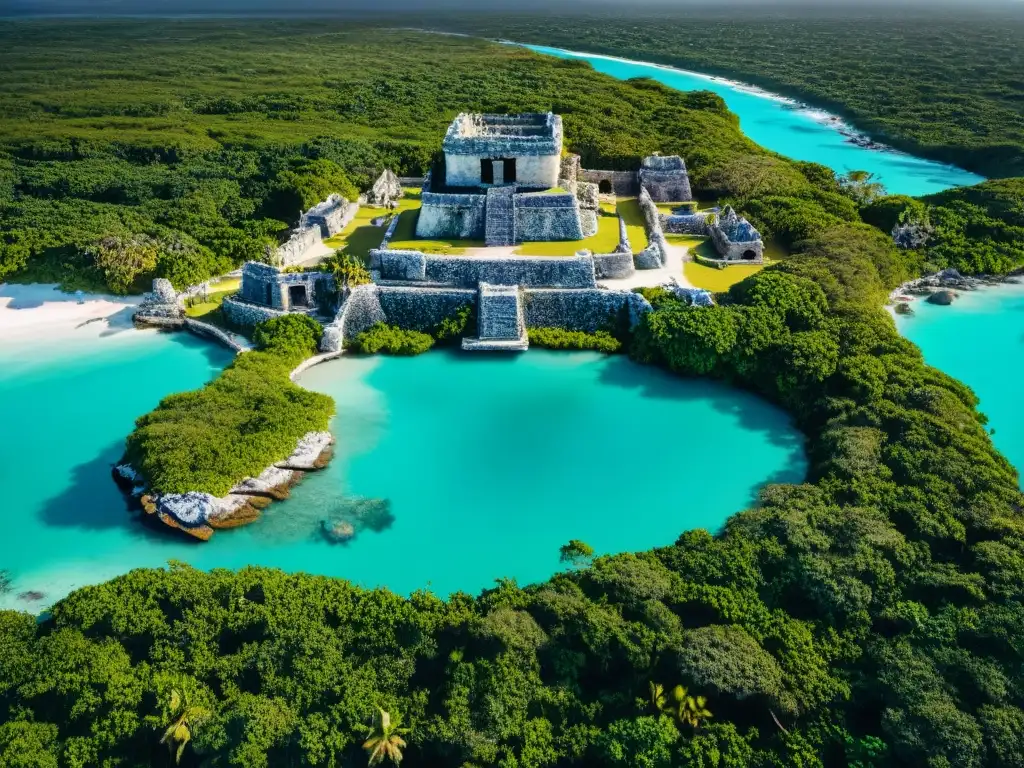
[(500, 323), (501, 216)]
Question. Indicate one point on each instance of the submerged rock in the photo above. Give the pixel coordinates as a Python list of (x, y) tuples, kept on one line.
[(338, 531), (942, 298)]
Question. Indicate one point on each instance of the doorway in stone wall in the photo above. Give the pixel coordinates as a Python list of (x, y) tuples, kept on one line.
[(749, 255), (509, 171), (297, 296), (604, 186), (486, 171)]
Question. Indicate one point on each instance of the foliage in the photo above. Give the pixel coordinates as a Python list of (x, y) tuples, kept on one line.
[(390, 340), (453, 328), (124, 259), (938, 81), (348, 269), (870, 616), (248, 418), (187, 718), (384, 741), (292, 335), (575, 552), (558, 338)]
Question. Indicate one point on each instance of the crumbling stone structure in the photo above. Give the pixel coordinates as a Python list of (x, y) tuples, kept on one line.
[(735, 238), (385, 192), (321, 221), (665, 178), (497, 168), (267, 291)]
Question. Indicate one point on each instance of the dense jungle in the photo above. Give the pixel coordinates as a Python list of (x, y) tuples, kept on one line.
[(871, 616)]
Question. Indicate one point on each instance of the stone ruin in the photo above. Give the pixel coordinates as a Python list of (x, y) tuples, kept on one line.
[(323, 220), (735, 238), (267, 292), (500, 174), (385, 192), (665, 178), (162, 302)]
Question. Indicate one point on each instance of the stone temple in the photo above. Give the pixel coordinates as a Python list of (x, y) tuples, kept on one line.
[(501, 178), (735, 238)]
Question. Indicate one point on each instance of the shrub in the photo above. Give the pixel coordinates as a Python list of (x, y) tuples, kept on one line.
[(557, 338), (453, 328), (391, 340), (291, 335)]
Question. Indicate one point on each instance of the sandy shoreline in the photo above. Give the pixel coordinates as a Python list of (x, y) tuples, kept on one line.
[(42, 312)]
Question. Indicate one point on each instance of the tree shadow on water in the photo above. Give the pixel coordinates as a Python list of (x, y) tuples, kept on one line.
[(93, 502), (751, 412)]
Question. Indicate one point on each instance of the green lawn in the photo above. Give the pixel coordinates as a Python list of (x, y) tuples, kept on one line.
[(223, 289), (713, 278), (636, 226), (360, 236)]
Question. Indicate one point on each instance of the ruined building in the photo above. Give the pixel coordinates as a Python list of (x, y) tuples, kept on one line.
[(501, 178), (735, 238)]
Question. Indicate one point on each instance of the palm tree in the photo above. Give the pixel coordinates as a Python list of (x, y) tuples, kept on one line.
[(658, 700), (383, 740), (187, 718), (693, 710)]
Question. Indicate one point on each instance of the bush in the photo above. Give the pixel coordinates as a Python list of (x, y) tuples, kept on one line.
[(453, 328), (557, 338), (390, 340), (290, 335)]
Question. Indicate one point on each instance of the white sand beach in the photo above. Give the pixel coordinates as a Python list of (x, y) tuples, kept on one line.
[(43, 313)]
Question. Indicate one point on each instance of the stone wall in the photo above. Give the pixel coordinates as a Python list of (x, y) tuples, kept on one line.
[(267, 285), (301, 241), (470, 271), (360, 311), (536, 171), (656, 253), (422, 309), (331, 215), (569, 172), (620, 263), (735, 238), (547, 217), (665, 178), (581, 310), (691, 224), (452, 216), (622, 183), (245, 314)]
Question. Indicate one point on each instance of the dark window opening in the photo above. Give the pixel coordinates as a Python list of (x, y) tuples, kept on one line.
[(749, 255), (486, 171), (604, 186), (297, 296), (270, 295), (509, 175)]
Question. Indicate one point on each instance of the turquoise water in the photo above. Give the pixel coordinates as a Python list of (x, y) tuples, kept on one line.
[(487, 464), (803, 134), (980, 341)]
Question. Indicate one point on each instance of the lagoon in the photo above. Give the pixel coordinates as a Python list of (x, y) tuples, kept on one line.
[(786, 127), (487, 465)]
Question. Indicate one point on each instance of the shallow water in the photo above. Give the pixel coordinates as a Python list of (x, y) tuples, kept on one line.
[(785, 127), (487, 465), (980, 341)]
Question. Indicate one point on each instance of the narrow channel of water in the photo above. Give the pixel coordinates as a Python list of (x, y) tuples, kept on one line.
[(786, 127), (472, 468), (980, 341)]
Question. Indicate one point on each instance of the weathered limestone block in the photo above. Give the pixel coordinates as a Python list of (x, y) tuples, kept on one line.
[(403, 265), (547, 217), (665, 178), (162, 303), (581, 310), (386, 191)]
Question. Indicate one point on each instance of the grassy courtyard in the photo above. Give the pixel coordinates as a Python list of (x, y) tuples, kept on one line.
[(208, 311), (629, 210), (713, 278), (360, 236)]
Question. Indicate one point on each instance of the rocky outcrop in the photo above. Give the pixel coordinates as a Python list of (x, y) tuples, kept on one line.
[(942, 298), (199, 514)]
